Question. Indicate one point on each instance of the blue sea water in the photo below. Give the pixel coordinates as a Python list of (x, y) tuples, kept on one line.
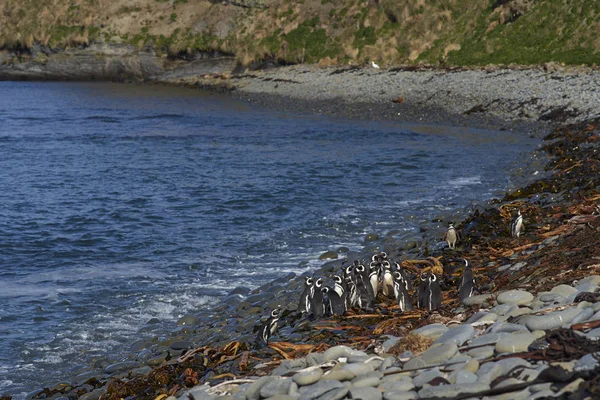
[(124, 204)]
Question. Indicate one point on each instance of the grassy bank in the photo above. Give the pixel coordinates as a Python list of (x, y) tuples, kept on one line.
[(437, 32)]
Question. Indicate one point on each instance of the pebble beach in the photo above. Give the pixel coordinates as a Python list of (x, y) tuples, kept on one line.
[(532, 331)]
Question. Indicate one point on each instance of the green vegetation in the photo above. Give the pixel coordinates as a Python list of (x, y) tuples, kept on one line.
[(448, 32)]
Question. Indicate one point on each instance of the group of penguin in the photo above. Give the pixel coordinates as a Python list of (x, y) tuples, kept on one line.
[(358, 286)]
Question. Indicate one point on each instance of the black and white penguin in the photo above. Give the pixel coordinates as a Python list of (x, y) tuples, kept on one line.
[(335, 303), (374, 276), (435, 293), (268, 327), (317, 303), (349, 287), (423, 291), (516, 225), (451, 236), (401, 292), (387, 279), (467, 283), (364, 291), (338, 285), (304, 306), (405, 276)]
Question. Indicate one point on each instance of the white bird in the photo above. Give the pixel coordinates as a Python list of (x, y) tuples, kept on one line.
[(374, 65), (517, 226)]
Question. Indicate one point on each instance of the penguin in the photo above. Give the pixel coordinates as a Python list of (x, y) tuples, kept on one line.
[(387, 279), (374, 276), (364, 289), (405, 276), (434, 290), (317, 304), (451, 236), (269, 327), (350, 287), (516, 225), (467, 283), (335, 302), (423, 291), (304, 305), (338, 285), (401, 292)]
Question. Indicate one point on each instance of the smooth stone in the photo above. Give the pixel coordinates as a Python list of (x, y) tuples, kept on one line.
[(518, 297), (478, 300), (386, 363), (404, 385), (462, 376), (551, 298), (508, 364), (552, 320), (515, 343), (594, 334), (274, 387), (281, 397), (517, 312), (314, 359), (466, 363), (181, 345), (507, 327), (584, 315), (396, 376), (197, 392), (587, 287), (320, 388), (563, 290), (414, 363), (488, 338), (489, 372), (337, 352), (450, 391), (364, 393), (592, 279), (487, 319), (253, 391), (389, 343), (308, 377), (329, 255), (400, 395), (502, 309), (335, 394), (481, 353), (188, 320), (93, 395), (427, 376), (457, 335), (508, 382), (432, 331), (358, 369), (435, 355), (120, 366), (587, 363), (543, 394), (367, 380), (338, 375)]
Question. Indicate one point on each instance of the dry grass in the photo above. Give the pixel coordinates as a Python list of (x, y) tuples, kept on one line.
[(412, 342)]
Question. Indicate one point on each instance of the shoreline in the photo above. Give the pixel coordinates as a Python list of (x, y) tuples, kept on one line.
[(245, 309)]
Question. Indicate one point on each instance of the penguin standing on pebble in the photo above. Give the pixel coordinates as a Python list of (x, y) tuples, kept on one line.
[(516, 225), (387, 279), (423, 291), (401, 292), (467, 283), (349, 287), (304, 306), (335, 303), (374, 277), (317, 304), (435, 293), (451, 236), (269, 327), (405, 276)]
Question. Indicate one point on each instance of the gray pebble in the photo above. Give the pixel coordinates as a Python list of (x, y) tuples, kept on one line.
[(432, 331), (503, 309), (457, 335), (403, 385), (586, 363), (308, 377), (552, 320), (338, 375), (120, 366), (364, 393), (389, 343), (427, 376), (274, 387), (584, 315), (478, 300), (386, 363), (508, 364), (317, 389), (357, 369), (481, 353), (336, 352), (335, 394), (507, 327), (462, 376), (399, 395), (253, 391), (489, 338), (488, 372), (563, 290), (366, 380), (515, 343), (594, 334), (449, 391), (518, 297)]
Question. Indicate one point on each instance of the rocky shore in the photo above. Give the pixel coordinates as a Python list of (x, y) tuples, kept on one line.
[(532, 332)]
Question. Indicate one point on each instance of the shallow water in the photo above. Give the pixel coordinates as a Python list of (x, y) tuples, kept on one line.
[(126, 205)]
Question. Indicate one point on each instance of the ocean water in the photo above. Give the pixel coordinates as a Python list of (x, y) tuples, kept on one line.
[(124, 205)]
